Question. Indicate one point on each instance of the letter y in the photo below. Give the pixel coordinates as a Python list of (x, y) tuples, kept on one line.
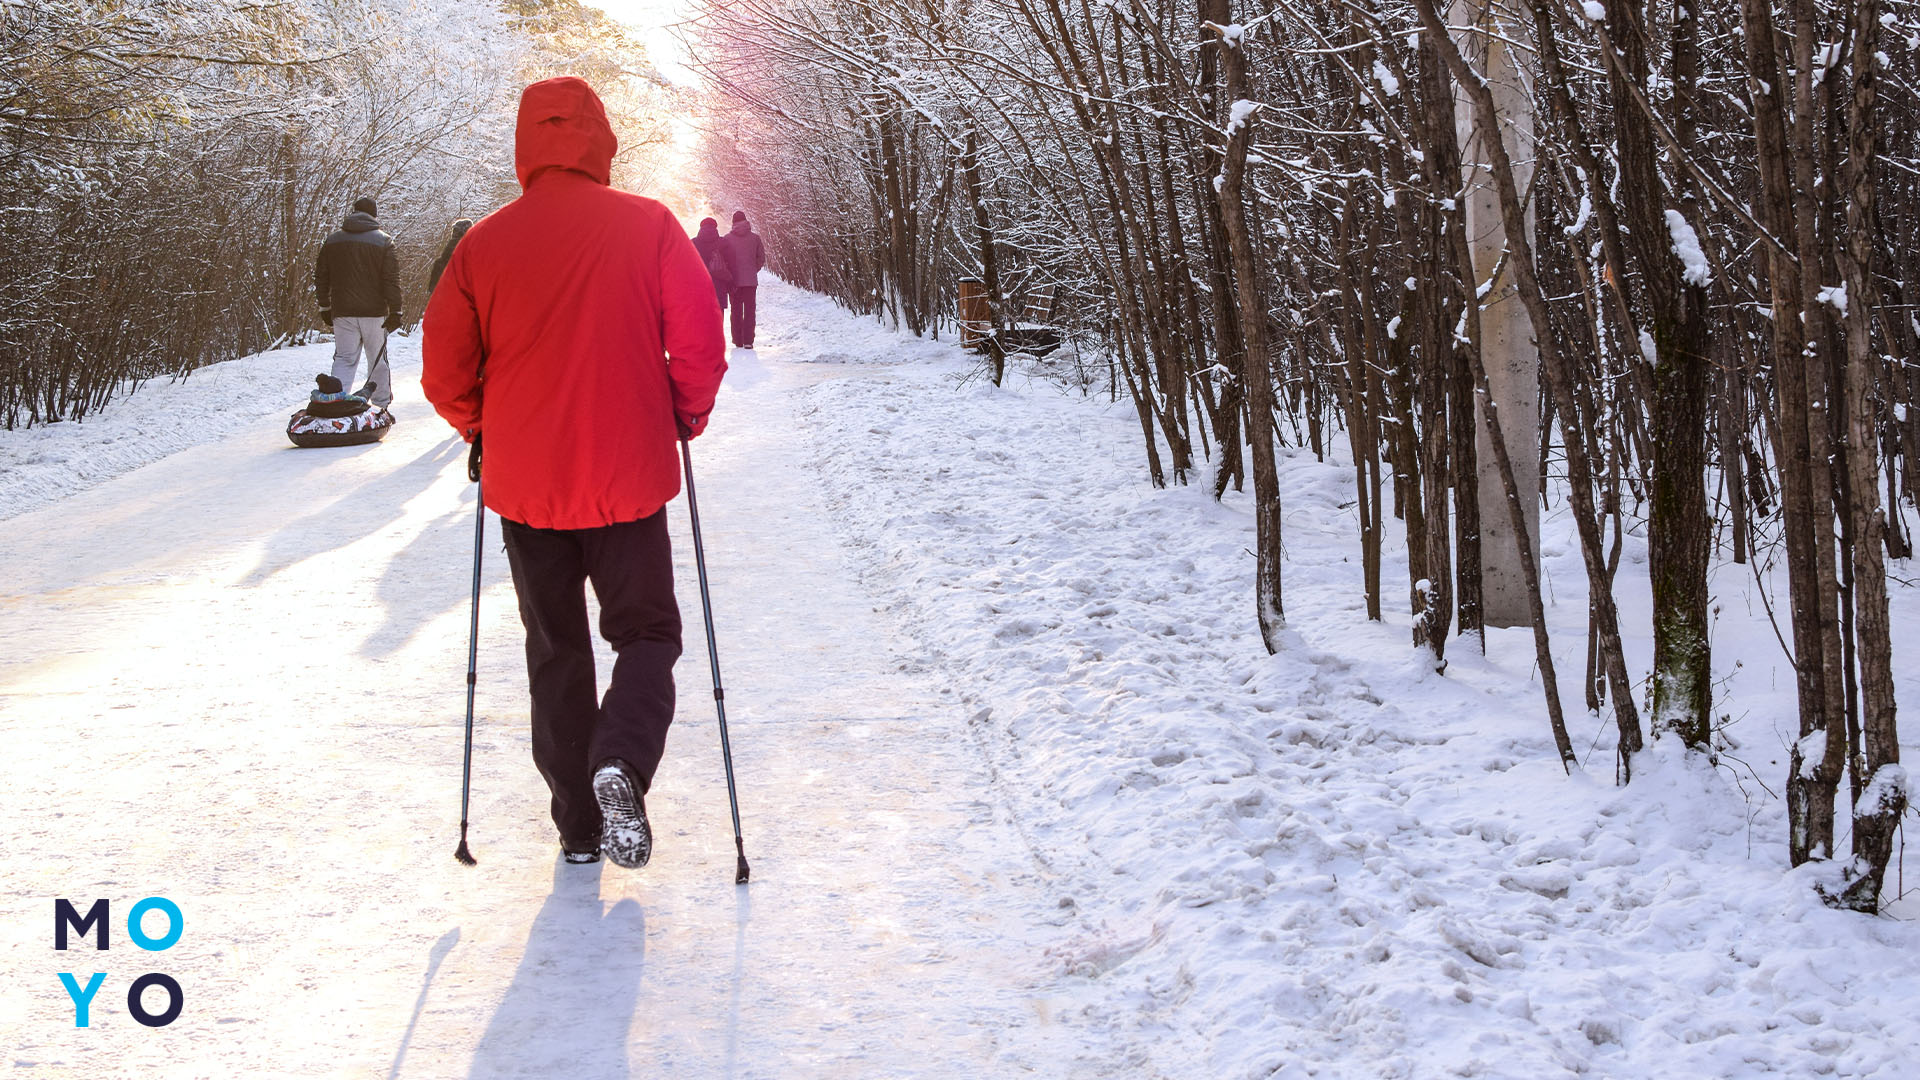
[(82, 998)]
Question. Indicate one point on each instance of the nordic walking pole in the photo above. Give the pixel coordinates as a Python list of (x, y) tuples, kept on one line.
[(713, 656), (473, 647)]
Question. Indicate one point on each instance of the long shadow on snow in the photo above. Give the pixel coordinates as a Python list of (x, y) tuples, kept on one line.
[(154, 520), (572, 1000), (349, 515), (432, 574), (440, 950)]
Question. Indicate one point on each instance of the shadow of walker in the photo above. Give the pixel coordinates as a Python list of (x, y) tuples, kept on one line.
[(440, 950), (570, 1006)]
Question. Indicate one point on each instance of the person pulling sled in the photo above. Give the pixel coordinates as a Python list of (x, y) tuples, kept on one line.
[(356, 280)]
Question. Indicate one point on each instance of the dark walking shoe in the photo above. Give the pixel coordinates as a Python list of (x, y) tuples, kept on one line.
[(625, 837), (578, 851)]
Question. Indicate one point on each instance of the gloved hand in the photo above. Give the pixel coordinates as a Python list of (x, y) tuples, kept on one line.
[(688, 426), (393, 323), (473, 457), (326, 316)]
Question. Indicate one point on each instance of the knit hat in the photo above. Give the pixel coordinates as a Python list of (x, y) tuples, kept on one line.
[(365, 206), (739, 216)]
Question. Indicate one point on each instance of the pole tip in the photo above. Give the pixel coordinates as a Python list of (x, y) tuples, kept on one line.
[(740, 871), (465, 857)]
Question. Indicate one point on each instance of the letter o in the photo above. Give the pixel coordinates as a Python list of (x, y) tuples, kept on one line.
[(174, 999), (175, 923)]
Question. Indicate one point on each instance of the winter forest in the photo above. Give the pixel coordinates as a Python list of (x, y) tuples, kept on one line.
[(1626, 287), (1308, 223), (172, 164)]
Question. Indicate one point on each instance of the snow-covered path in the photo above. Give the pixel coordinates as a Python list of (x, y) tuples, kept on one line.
[(234, 678)]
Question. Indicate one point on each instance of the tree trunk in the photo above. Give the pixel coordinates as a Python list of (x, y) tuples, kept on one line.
[(1559, 380), (1511, 361), (1679, 533), (1878, 809), (1810, 785), (989, 263), (1256, 373)]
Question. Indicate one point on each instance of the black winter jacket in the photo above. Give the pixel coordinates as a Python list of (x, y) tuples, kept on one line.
[(708, 243), (446, 256), (357, 274)]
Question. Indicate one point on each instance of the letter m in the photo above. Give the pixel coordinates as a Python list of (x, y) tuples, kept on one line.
[(64, 916)]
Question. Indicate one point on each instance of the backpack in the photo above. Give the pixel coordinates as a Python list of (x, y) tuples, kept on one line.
[(718, 266)]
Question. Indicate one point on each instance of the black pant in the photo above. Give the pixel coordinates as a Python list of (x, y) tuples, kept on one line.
[(743, 297), (631, 567)]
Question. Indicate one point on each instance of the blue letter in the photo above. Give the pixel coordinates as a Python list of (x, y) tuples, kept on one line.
[(82, 998), (175, 923)]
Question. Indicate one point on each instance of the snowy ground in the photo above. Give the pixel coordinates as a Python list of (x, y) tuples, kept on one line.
[(1333, 862), (234, 678), (1024, 795), (166, 416)]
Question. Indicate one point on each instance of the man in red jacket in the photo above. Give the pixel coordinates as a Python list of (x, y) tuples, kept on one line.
[(579, 333)]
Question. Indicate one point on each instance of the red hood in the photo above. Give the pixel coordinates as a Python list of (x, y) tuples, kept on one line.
[(562, 126)]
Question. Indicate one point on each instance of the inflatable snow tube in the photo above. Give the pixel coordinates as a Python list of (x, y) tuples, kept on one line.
[(370, 425)]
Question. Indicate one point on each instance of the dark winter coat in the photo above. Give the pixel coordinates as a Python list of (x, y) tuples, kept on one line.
[(446, 255), (745, 255), (357, 274), (711, 247), (596, 323)]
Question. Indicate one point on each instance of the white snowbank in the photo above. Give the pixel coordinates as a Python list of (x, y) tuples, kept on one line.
[(49, 462), (1332, 861)]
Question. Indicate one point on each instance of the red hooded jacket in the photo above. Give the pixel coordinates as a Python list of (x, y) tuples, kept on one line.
[(572, 326)]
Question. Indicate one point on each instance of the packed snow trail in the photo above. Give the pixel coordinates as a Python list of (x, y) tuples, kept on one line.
[(234, 678)]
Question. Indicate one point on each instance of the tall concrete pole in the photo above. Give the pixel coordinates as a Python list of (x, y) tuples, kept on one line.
[(1506, 346)]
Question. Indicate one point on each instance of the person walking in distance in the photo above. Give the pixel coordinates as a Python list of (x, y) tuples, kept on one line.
[(712, 249), (460, 227), (745, 257), (578, 334), (356, 279)]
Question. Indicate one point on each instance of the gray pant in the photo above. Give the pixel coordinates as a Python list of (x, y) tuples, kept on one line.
[(353, 334)]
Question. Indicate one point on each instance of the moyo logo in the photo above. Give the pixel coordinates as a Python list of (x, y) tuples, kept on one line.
[(65, 916)]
